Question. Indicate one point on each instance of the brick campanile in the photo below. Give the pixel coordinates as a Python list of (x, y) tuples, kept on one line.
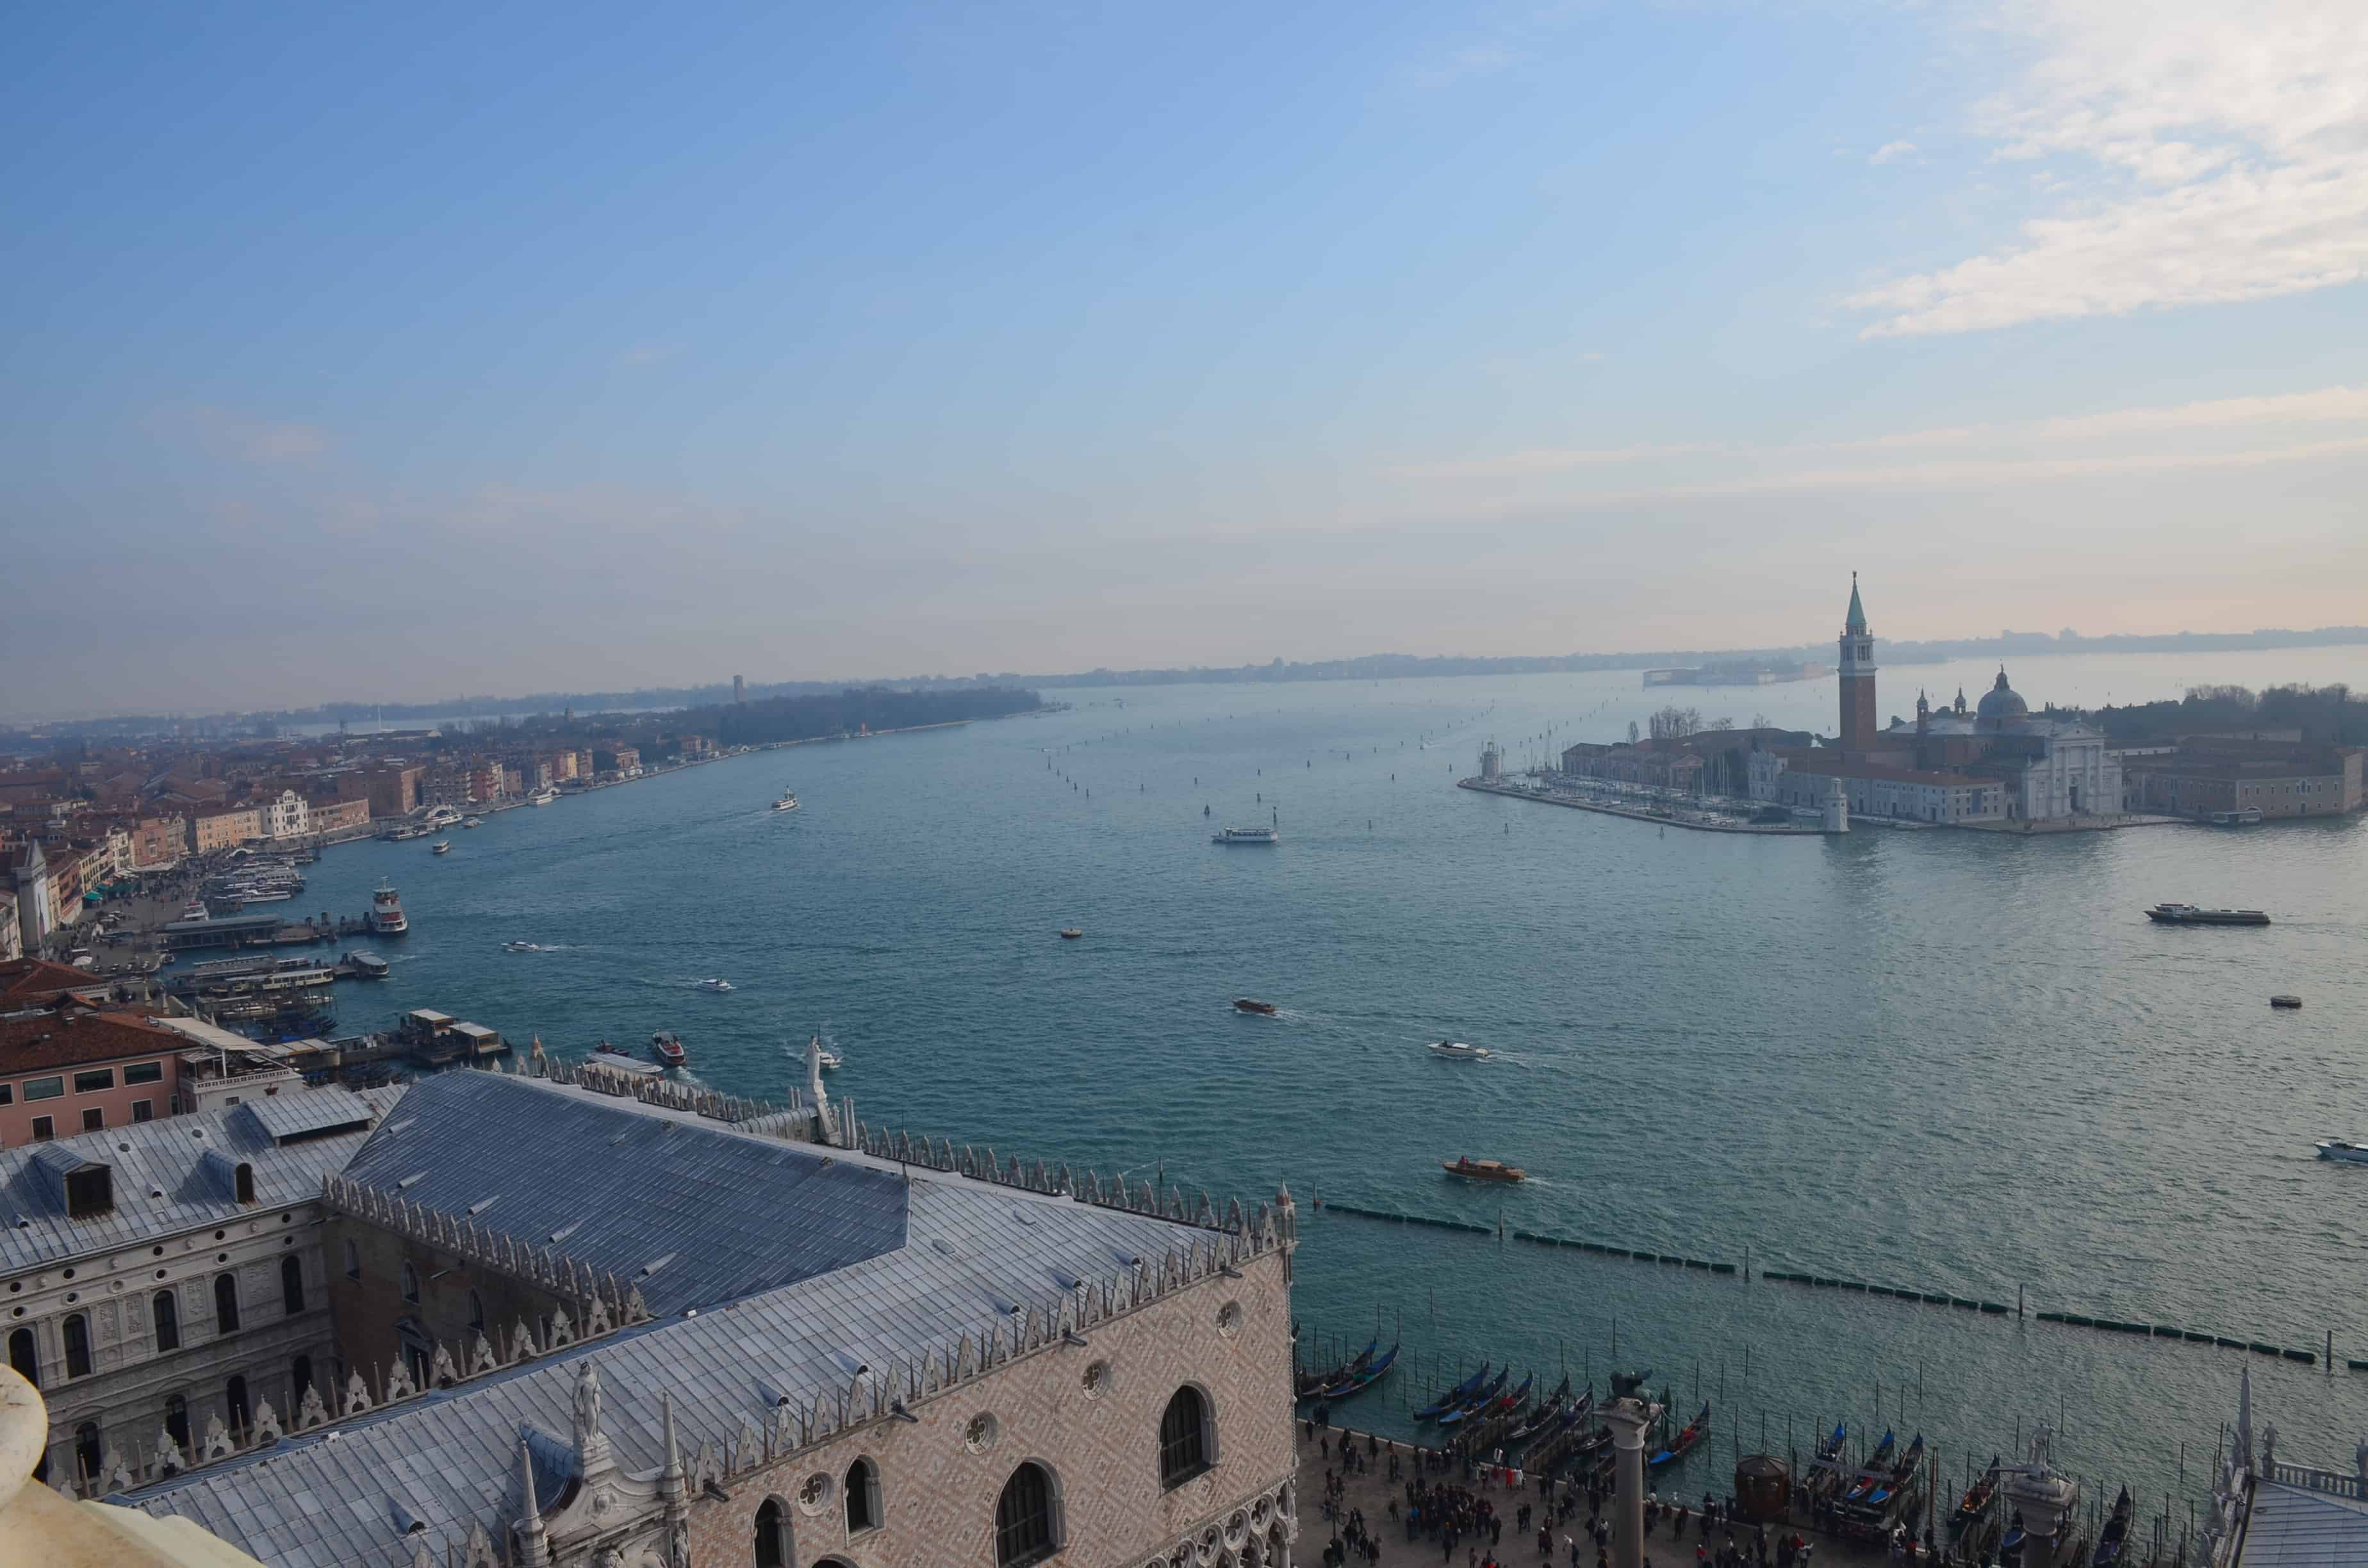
[(1858, 678)]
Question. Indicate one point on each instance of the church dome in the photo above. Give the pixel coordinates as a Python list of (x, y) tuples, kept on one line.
[(2002, 702)]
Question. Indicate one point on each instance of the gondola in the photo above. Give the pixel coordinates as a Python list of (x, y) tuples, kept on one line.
[(1543, 1416), (1865, 1482), (1473, 1406), (1511, 1402), (1312, 1385), (1359, 1378), (1454, 1396), (1976, 1501), (1683, 1443), (1901, 1474), (2117, 1533)]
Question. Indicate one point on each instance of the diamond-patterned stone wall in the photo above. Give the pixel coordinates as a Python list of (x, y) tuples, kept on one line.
[(937, 1497)]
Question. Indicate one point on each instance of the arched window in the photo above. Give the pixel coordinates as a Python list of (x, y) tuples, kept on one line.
[(862, 1489), (410, 1283), (291, 1283), (77, 1337), (476, 1311), (88, 1453), (166, 1308), (176, 1421), (1184, 1445), (23, 1358), (246, 1184), (234, 1396), (300, 1379), (353, 1261), (773, 1534), (1025, 1528), (225, 1303)]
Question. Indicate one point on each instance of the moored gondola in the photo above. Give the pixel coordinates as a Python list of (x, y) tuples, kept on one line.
[(2116, 1533), (1478, 1402), (1977, 1500), (1359, 1378), (1311, 1385), (1901, 1474), (1683, 1443), (1870, 1474), (1544, 1417), (1455, 1396)]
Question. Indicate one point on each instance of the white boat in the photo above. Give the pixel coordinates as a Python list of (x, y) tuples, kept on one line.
[(522, 947), (715, 985), (386, 912), (195, 910), (441, 846), (2343, 1149), (788, 802), (543, 797), (1248, 836), (439, 816), (472, 822), (1455, 1050)]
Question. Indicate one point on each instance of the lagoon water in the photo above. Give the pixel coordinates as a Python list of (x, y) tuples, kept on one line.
[(1954, 1062)]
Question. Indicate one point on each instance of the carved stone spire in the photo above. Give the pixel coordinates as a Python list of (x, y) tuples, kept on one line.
[(669, 1478), (824, 1132), (533, 1546)]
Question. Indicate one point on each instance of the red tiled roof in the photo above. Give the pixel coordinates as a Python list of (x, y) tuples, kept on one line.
[(75, 1040), (26, 982)]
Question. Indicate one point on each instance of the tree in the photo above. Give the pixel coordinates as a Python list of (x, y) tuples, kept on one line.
[(1632, 732), (1672, 722), (1722, 724)]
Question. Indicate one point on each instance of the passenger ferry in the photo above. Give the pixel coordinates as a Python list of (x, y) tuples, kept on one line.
[(1248, 836), (2189, 915), (386, 912), (441, 846), (788, 802)]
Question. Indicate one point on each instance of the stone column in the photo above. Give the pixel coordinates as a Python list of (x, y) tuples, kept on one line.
[(1628, 1418)]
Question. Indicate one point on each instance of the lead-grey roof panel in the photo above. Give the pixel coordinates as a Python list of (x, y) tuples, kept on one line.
[(295, 1116), (689, 1211)]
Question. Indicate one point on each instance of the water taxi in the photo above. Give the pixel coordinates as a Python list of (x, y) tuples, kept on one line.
[(521, 947), (1482, 1170), (668, 1048), (1456, 1051), (2189, 915), (441, 846), (1247, 836), (715, 985), (2343, 1149), (472, 822), (1071, 933), (1252, 1005)]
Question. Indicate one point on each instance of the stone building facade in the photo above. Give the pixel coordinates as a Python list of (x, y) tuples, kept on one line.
[(163, 1290)]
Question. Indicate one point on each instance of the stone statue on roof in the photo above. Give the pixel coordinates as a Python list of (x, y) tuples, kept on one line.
[(588, 1405)]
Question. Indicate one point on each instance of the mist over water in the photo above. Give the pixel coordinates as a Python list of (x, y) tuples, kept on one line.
[(1954, 1062)]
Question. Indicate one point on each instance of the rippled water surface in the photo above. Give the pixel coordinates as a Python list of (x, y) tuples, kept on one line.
[(1954, 1062)]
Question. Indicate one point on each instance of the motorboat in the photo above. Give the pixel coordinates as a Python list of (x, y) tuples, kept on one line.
[(521, 947), (1482, 1170), (1247, 836), (386, 912), (472, 822), (668, 1048), (2190, 914), (441, 846), (715, 985), (2343, 1149), (788, 802), (1456, 1051), (1252, 1005), (1071, 933)]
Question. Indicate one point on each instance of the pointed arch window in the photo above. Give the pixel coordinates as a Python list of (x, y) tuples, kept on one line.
[(862, 1488), (410, 1283), (1185, 1448), (1026, 1526), (773, 1549)]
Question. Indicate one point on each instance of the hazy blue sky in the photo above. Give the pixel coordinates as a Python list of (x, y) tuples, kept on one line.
[(389, 351)]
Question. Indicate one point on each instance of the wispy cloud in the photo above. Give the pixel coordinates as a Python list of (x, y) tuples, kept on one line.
[(2338, 404), (228, 433), (1891, 152), (2221, 155)]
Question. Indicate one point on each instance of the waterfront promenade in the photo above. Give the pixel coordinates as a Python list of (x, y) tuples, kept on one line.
[(1670, 814)]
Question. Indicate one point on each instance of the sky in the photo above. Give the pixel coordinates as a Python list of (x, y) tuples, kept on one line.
[(387, 352)]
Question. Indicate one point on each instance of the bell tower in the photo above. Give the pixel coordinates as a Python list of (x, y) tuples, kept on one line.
[(1857, 676)]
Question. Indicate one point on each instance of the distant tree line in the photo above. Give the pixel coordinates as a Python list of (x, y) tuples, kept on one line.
[(2327, 715), (844, 712)]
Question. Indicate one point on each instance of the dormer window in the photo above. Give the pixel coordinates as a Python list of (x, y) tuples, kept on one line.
[(245, 1181), (90, 1192)]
